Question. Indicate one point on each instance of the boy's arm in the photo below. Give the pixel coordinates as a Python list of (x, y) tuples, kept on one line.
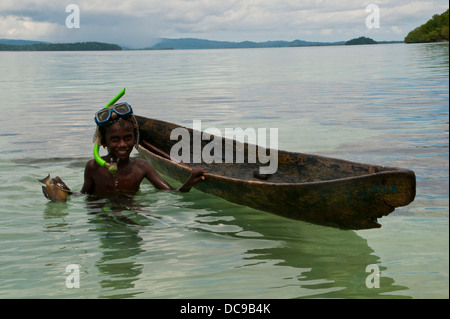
[(152, 175), (88, 186), (160, 183), (197, 175)]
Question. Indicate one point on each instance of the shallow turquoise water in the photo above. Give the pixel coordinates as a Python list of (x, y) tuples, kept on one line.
[(384, 104)]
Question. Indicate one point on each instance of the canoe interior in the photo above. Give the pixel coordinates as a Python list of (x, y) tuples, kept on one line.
[(292, 167)]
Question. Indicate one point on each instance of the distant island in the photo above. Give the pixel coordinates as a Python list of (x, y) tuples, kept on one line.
[(40, 46), (192, 43), (434, 30), (173, 44), (361, 40)]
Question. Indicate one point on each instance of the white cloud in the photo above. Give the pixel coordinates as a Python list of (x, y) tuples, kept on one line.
[(396, 30), (14, 27), (139, 22)]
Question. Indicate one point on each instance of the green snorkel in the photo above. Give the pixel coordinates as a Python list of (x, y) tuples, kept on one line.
[(112, 167)]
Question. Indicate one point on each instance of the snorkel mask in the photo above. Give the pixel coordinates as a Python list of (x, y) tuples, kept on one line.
[(102, 117), (105, 115)]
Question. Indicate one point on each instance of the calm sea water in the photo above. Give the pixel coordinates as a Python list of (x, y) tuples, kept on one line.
[(383, 104)]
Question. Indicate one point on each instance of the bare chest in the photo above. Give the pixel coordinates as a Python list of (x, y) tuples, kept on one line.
[(123, 181)]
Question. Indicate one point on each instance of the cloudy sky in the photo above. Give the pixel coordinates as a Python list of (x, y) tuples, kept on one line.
[(139, 23)]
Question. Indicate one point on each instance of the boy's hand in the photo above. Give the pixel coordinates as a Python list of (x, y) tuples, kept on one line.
[(197, 175)]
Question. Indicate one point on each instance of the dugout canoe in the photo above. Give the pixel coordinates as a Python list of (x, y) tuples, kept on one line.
[(311, 188)]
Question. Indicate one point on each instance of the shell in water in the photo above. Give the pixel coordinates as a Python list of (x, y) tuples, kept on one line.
[(55, 189)]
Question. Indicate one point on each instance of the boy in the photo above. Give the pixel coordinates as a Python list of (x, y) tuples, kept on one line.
[(118, 131)]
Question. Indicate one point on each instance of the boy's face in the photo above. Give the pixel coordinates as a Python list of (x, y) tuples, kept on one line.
[(120, 139)]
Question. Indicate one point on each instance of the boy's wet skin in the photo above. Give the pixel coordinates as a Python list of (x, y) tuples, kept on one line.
[(119, 140)]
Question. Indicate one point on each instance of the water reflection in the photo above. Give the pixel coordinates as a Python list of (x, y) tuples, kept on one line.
[(336, 260), (433, 57), (116, 220), (200, 246), (330, 263), (55, 211)]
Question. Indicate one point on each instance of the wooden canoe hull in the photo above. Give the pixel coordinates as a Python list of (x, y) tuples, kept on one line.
[(310, 188)]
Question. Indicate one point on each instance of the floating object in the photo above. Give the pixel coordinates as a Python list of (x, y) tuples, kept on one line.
[(54, 189)]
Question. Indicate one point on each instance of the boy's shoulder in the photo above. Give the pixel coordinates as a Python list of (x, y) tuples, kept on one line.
[(91, 167), (141, 163), (144, 166), (137, 163), (91, 164)]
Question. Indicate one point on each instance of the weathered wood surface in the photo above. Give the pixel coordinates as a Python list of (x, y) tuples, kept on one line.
[(311, 188)]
